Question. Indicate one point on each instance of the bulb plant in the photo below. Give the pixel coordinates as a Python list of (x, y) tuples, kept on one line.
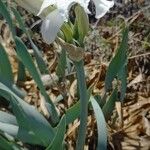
[(27, 124)]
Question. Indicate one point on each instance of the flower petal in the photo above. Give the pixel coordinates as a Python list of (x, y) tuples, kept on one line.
[(102, 6), (51, 26)]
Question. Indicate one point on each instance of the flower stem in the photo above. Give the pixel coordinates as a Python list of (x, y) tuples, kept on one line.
[(83, 105)]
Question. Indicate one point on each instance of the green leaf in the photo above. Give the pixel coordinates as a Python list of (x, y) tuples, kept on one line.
[(38, 55), (68, 33), (118, 61), (33, 127), (122, 76), (6, 15), (5, 66), (19, 19), (8, 124), (39, 58), (26, 59), (72, 113), (21, 72), (10, 129), (57, 143), (61, 35), (75, 30), (82, 23), (84, 99), (8, 118), (5, 145), (13, 87), (62, 62), (110, 105), (99, 100), (101, 125)]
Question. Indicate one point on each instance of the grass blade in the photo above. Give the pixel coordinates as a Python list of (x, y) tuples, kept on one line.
[(73, 113), (110, 105), (21, 72), (101, 125), (5, 66), (6, 74), (13, 87), (117, 62), (122, 76), (38, 55), (6, 15), (26, 59), (83, 104), (5, 145), (62, 62), (57, 143)]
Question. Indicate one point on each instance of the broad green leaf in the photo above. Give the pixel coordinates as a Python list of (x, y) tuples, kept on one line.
[(33, 127), (101, 125), (5, 66), (110, 105), (118, 61), (57, 143), (82, 23), (26, 59), (6, 15)]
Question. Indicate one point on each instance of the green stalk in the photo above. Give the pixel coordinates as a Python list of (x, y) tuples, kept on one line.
[(83, 105)]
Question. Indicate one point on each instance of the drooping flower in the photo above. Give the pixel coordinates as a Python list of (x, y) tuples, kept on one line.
[(52, 23), (55, 18)]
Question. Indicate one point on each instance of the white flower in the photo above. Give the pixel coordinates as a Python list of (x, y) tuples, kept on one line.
[(54, 18), (102, 6), (52, 23)]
